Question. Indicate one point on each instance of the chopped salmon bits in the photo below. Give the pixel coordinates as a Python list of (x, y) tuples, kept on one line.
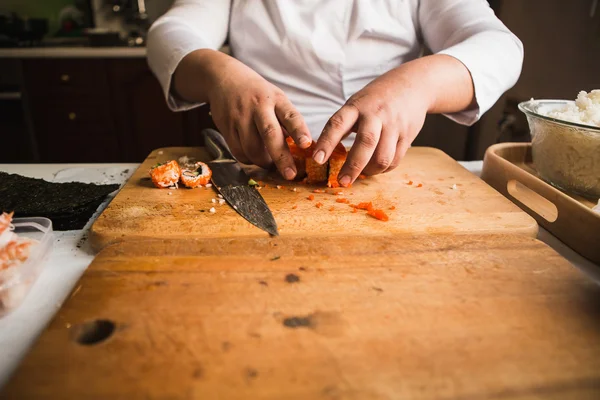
[(378, 214)]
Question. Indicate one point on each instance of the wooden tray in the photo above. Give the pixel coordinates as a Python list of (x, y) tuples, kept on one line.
[(373, 318), (508, 167), (450, 200)]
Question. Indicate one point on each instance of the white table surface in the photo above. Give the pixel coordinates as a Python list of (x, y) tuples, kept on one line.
[(71, 256)]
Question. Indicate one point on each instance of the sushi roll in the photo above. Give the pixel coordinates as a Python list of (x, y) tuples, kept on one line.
[(195, 175), (299, 155), (315, 172), (166, 175), (336, 161)]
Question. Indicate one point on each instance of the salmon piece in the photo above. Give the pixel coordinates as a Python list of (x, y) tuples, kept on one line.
[(299, 155), (5, 221), (195, 175), (336, 161), (365, 206), (315, 172), (15, 252), (166, 175), (378, 214)]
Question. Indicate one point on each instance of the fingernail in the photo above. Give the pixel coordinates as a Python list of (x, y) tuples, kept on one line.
[(289, 174), (345, 180), (319, 156), (303, 141)]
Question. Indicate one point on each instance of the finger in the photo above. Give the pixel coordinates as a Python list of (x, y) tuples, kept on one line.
[(236, 148), (232, 138), (384, 153), (293, 123), (339, 125), (401, 149), (252, 145), (367, 138), (269, 129)]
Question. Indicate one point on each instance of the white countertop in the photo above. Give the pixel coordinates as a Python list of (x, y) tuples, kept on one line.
[(71, 256), (74, 52)]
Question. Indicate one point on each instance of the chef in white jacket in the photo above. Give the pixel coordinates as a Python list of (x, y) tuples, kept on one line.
[(332, 70)]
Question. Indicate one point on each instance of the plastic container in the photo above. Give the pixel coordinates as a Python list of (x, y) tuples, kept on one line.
[(565, 154), (15, 282)]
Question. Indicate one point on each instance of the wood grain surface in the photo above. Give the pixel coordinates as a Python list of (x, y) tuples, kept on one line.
[(423, 317), (142, 211)]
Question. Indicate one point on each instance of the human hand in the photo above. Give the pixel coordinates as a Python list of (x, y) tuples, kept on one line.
[(254, 117), (386, 115)]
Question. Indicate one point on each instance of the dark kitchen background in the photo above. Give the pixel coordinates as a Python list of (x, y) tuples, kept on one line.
[(75, 86)]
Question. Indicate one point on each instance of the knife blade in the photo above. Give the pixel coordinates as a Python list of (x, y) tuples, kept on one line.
[(232, 182)]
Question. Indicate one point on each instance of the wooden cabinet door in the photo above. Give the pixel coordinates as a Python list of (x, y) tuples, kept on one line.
[(143, 120), (70, 108)]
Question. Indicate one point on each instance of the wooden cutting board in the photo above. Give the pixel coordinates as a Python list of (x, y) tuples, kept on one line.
[(142, 211), (435, 317)]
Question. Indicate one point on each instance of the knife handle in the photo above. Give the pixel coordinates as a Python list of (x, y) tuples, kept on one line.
[(216, 145)]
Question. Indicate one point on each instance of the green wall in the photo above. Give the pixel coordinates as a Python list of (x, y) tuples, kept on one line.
[(37, 9)]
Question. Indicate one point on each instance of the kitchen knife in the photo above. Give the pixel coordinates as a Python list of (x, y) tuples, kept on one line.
[(232, 182)]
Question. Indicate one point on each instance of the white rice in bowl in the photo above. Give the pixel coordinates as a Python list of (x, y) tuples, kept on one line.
[(585, 110), (566, 155)]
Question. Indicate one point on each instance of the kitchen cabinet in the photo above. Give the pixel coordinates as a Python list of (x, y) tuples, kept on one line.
[(103, 110), (71, 110), (140, 112), (17, 143)]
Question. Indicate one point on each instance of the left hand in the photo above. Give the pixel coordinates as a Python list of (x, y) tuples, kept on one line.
[(386, 115)]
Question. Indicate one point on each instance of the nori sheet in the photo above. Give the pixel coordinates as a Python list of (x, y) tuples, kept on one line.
[(69, 205)]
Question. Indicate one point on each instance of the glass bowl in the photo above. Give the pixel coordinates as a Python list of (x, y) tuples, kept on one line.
[(565, 154), (15, 282)]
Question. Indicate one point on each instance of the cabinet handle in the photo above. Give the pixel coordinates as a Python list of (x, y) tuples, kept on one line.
[(65, 78), (72, 116)]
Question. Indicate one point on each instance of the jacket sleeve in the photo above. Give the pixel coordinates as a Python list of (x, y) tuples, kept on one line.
[(469, 31), (189, 25)]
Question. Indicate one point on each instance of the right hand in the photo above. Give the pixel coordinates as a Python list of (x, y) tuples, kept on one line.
[(254, 117)]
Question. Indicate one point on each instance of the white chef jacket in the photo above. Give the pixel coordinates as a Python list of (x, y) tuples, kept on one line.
[(320, 52)]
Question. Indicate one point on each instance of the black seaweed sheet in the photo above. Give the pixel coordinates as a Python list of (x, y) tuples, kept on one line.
[(69, 205)]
